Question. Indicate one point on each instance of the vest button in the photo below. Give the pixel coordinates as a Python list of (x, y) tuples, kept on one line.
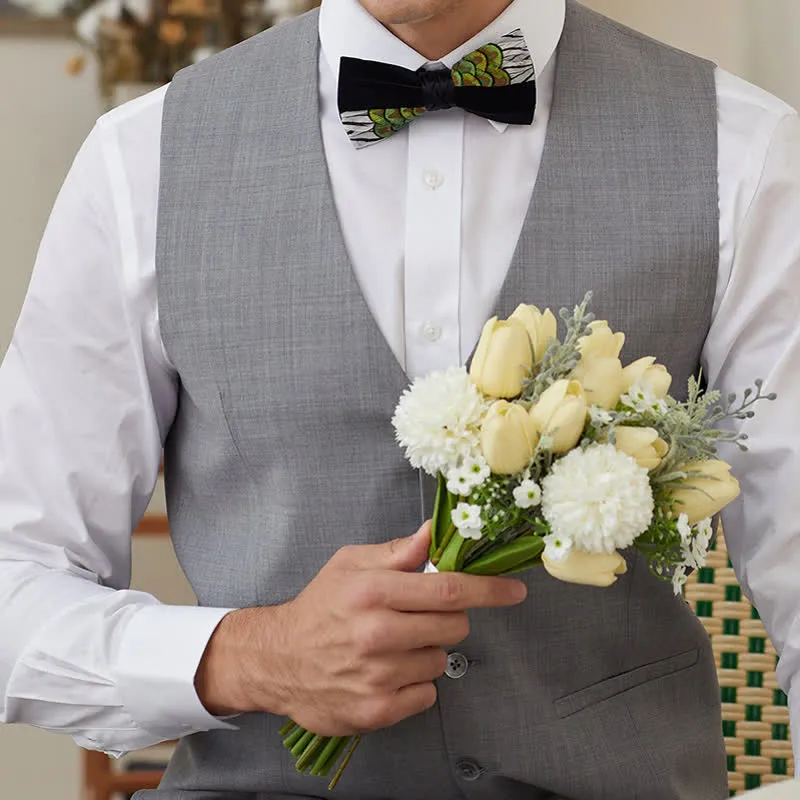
[(468, 770), (457, 666)]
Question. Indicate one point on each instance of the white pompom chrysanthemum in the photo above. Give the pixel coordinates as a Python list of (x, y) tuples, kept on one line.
[(438, 421), (598, 498)]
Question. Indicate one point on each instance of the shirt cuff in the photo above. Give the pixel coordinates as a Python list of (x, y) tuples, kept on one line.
[(158, 657)]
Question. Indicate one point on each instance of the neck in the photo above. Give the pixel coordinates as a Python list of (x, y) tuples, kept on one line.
[(442, 33)]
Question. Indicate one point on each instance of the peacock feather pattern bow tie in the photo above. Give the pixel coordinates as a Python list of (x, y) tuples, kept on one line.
[(496, 81)]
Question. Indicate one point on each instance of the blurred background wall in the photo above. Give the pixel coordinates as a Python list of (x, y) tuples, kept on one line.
[(44, 116)]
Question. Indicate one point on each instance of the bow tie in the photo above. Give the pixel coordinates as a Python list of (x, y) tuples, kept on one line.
[(495, 82)]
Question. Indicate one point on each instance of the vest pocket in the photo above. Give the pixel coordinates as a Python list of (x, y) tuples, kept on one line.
[(611, 687)]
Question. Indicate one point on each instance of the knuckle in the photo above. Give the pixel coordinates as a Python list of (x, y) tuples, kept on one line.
[(375, 714), (379, 675), (344, 555), (364, 592), (395, 545), (450, 589), (371, 636)]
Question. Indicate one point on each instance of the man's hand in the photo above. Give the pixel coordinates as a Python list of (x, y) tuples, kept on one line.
[(358, 649)]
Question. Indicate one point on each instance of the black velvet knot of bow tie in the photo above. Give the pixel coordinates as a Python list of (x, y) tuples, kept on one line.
[(438, 89)]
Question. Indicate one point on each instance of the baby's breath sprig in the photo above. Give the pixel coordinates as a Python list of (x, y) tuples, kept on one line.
[(560, 358), (499, 513)]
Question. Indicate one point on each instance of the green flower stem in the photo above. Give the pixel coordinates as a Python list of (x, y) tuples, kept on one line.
[(287, 728), (302, 743), (294, 737), (340, 748), (307, 756), (325, 756), (443, 546), (345, 761), (441, 507)]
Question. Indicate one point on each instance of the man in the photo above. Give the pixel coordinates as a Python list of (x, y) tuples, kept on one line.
[(243, 271)]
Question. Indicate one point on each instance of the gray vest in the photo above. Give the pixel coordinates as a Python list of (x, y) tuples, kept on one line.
[(282, 449)]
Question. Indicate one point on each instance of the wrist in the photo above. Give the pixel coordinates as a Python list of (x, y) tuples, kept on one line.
[(236, 673)]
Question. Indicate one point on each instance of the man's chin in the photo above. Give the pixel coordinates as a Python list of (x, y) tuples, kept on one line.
[(405, 12)]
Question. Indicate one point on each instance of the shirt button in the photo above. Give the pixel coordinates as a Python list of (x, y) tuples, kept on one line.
[(434, 179), (431, 332), (457, 666), (468, 770)]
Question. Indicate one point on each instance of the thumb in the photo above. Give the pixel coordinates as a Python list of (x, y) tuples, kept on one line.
[(408, 554), (405, 554)]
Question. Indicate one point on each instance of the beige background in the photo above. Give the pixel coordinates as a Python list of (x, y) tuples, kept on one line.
[(44, 116)]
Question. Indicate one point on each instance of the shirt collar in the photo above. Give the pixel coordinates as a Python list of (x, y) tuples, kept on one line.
[(346, 29)]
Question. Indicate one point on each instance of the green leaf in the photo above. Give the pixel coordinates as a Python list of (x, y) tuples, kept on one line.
[(442, 509), (507, 558), (533, 562), (453, 557), (469, 546)]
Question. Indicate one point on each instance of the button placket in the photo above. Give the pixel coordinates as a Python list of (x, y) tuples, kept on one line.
[(432, 256)]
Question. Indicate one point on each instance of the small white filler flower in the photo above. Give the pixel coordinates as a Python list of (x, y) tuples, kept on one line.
[(556, 548), (695, 545), (599, 498), (468, 477), (679, 579), (527, 495), (685, 530), (467, 519), (438, 419)]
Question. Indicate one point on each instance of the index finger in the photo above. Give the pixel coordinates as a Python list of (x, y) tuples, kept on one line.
[(449, 591)]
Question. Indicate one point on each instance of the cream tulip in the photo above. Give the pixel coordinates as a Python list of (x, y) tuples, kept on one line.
[(707, 491), (642, 444), (602, 342), (541, 327), (647, 373), (561, 414), (590, 569), (503, 358), (602, 379), (508, 438)]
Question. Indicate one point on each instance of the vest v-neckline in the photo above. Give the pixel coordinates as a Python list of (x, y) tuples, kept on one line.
[(314, 145)]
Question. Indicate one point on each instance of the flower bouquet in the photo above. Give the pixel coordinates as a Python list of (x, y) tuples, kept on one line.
[(550, 452)]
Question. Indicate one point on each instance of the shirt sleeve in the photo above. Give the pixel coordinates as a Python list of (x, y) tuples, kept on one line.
[(86, 398), (756, 334)]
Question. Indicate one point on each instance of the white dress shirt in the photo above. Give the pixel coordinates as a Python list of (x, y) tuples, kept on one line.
[(87, 392)]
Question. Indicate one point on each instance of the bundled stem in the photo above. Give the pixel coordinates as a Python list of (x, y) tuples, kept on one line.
[(318, 755)]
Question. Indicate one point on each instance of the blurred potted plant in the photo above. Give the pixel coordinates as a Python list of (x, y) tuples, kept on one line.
[(141, 44)]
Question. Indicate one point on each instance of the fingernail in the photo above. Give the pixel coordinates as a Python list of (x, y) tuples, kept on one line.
[(519, 591)]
